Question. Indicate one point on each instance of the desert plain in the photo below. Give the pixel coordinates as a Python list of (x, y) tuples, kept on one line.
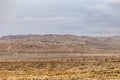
[(59, 57)]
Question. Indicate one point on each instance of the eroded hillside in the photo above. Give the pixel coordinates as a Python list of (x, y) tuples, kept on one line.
[(61, 44)]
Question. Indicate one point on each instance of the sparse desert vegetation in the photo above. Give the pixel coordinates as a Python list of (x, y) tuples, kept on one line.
[(65, 57), (60, 70)]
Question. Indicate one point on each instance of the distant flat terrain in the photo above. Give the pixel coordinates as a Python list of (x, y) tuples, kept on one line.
[(58, 57)]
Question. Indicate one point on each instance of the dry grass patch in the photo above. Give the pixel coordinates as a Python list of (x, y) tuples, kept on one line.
[(60, 70)]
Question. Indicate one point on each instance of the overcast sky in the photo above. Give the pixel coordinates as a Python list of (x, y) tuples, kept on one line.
[(76, 17)]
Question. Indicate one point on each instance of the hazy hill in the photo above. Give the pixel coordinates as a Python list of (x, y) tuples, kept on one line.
[(60, 43)]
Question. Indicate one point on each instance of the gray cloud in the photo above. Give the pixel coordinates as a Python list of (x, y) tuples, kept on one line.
[(80, 17)]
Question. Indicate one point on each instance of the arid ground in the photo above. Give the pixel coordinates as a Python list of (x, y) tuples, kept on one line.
[(59, 57)]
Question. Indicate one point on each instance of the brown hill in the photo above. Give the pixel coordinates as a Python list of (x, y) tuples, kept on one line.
[(58, 47), (59, 43)]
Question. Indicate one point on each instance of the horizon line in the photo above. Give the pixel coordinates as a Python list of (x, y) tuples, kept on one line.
[(108, 35)]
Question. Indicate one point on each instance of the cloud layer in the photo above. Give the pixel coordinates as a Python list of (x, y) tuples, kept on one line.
[(79, 17)]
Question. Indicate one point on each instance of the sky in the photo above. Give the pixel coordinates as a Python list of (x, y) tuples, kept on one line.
[(75, 17)]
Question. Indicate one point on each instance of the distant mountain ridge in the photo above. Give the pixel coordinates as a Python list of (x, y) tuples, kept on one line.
[(52, 35), (32, 35)]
